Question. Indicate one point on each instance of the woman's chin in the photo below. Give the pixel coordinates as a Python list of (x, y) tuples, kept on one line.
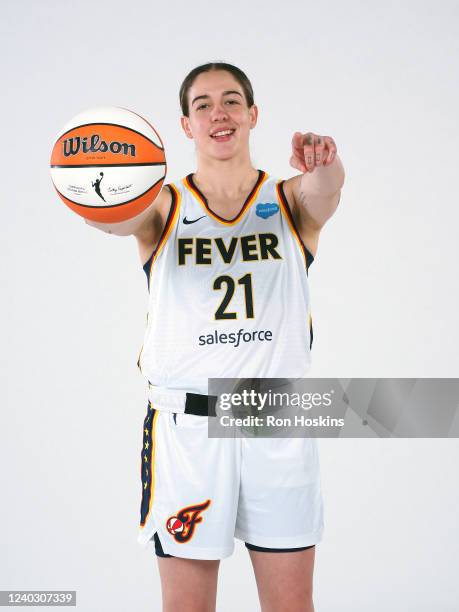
[(225, 154)]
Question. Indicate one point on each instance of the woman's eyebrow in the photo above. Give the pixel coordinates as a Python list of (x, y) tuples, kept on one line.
[(232, 91), (225, 93)]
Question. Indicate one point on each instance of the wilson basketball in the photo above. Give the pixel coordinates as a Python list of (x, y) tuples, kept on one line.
[(108, 164)]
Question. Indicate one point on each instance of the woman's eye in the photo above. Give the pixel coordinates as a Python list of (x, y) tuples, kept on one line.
[(205, 105)]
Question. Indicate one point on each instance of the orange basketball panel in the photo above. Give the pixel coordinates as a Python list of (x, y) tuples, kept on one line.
[(104, 144)]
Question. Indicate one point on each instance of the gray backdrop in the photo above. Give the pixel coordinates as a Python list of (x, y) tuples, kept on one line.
[(378, 77)]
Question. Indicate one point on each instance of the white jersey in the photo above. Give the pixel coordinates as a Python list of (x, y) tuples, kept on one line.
[(227, 298)]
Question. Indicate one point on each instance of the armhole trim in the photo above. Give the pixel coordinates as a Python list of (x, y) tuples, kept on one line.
[(308, 256), (170, 222)]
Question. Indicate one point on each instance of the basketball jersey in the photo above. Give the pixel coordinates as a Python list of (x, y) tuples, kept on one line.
[(227, 298)]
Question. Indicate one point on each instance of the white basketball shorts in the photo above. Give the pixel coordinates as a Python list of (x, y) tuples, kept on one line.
[(199, 493)]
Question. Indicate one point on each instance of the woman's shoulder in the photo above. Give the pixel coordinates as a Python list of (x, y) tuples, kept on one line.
[(177, 182)]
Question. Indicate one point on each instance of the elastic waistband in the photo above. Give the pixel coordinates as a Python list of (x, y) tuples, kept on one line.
[(169, 400)]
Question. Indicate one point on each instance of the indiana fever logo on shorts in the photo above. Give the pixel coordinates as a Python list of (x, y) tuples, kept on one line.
[(183, 525)]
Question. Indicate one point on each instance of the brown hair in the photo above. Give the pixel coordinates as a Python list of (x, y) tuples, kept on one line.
[(237, 73)]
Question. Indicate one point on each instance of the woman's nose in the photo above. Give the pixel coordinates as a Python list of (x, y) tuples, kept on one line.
[(219, 113)]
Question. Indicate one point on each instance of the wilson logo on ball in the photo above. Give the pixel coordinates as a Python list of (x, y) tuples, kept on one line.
[(71, 146)]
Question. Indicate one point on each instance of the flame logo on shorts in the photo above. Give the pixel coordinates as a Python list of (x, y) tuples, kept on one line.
[(182, 525)]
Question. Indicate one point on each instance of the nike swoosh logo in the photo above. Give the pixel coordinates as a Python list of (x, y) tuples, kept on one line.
[(187, 221)]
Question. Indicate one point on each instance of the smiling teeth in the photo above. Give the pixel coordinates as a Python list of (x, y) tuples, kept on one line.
[(223, 133)]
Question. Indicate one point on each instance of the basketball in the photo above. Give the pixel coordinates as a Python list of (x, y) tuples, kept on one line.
[(174, 525), (108, 164)]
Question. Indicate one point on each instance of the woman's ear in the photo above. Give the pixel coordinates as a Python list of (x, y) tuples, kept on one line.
[(253, 114), (186, 126)]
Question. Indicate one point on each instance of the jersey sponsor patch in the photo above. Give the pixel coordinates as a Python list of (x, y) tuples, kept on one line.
[(268, 209), (235, 338)]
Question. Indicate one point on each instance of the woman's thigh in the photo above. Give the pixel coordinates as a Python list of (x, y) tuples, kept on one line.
[(188, 585), (284, 580)]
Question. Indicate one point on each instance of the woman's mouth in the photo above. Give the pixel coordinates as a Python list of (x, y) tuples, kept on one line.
[(222, 135)]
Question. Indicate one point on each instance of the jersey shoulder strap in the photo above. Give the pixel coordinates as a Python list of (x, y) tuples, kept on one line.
[(171, 220)]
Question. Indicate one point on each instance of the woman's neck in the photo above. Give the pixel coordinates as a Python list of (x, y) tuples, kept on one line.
[(229, 178)]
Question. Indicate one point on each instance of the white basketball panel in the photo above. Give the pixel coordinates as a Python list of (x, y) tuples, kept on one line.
[(119, 184)]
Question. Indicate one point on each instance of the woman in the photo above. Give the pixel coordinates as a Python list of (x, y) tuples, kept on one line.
[(226, 252)]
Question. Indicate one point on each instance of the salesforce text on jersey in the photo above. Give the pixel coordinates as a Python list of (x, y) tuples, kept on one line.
[(236, 338)]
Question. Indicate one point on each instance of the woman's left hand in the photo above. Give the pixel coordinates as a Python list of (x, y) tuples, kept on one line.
[(311, 150)]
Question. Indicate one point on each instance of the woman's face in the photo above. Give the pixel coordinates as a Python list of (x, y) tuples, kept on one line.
[(219, 119)]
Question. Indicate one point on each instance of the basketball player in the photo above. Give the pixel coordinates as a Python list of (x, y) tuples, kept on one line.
[(226, 252), (96, 185)]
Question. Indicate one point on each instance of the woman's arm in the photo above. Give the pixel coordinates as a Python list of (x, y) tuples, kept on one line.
[(316, 192), (146, 227), (314, 195)]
